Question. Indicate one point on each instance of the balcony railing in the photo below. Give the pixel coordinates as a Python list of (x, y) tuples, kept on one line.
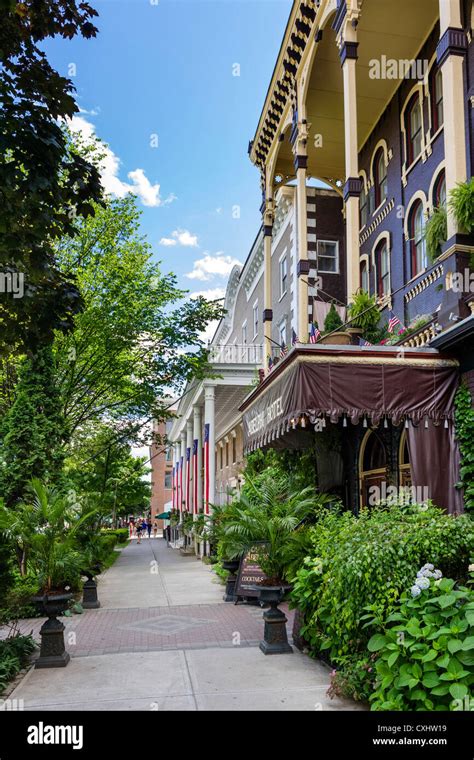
[(235, 354)]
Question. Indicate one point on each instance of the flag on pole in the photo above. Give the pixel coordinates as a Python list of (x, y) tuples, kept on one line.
[(188, 478), (270, 363), (283, 349), (393, 321), (206, 468), (195, 476), (181, 492), (176, 505), (294, 338), (173, 490), (314, 333), (363, 342)]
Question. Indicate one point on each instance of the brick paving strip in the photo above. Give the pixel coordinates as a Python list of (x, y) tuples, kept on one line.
[(155, 628)]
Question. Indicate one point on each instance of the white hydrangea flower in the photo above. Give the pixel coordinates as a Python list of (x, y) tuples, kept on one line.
[(423, 583), (415, 591)]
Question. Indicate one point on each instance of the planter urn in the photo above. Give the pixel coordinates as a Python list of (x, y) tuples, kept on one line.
[(231, 565), (336, 339), (275, 637), (90, 600), (52, 651)]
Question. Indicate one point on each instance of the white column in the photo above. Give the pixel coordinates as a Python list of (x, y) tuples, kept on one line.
[(348, 53), (451, 58), (267, 282), (189, 463), (177, 454), (182, 467), (301, 162), (209, 414), (197, 436)]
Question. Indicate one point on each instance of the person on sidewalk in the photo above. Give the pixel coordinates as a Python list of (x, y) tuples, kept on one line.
[(148, 527), (139, 532), (155, 529)]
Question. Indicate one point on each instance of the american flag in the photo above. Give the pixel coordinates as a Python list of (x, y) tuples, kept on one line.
[(188, 478), (206, 468), (294, 338), (314, 333), (363, 342), (283, 349), (270, 363), (393, 321), (195, 476), (173, 490), (181, 492), (177, 486)]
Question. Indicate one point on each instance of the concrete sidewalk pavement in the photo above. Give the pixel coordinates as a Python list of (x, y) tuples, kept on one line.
[(163, 639)]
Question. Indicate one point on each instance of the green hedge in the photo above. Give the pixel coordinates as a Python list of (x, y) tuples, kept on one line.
[(371, 560), (14, 655), (121, 534)]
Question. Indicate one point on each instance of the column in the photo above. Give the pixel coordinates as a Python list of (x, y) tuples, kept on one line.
[(348, 53), (267, 280), (451, 53), (301, 164), (182, 470), (197, 448), (189, 466), (209, 447), (177, 455)]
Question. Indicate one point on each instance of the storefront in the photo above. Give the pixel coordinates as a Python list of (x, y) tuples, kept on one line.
[(378, 417)]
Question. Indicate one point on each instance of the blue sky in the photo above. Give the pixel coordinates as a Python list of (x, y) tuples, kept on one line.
[(164, 73)]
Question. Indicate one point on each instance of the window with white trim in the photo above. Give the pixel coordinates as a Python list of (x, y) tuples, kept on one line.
[(283, 276), (244, 333), (255, 319), (282, 333), (328, 256)]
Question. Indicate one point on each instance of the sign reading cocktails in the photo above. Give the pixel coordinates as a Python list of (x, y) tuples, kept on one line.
[(250, 573)]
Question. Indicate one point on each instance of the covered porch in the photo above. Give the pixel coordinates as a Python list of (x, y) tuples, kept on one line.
[(376, 417)]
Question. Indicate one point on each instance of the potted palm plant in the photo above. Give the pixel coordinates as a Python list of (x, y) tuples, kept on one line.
[(56, 562), (364, 317), (270, 520)]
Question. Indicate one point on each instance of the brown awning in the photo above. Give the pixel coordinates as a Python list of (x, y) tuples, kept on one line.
[(329, 382)]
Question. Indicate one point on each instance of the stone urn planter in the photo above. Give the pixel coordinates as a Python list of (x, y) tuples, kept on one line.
[(355, 334), (231, 565), (275, 638), (336, 339), (53, 651), (90, 600)]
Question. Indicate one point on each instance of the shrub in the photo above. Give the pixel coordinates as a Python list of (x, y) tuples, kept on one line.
[(121, 534), (436, 231), (364, 314), (333, 321), (425, 654), (371, 559), (14, 654), (464, 415), (461, 202)]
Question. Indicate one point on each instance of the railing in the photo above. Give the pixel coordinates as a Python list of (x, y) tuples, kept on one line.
[(235, 354)]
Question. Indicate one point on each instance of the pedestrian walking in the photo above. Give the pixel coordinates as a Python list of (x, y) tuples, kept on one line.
[(148, 527), (155, 529), (139, 532)]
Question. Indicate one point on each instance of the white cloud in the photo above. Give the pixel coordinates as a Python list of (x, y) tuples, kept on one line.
[(109, 166), (213, 294), (212, 266), (181, 237)]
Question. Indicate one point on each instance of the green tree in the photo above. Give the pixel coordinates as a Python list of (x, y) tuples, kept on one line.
[(32, 430), (138, 337), (44, 184)]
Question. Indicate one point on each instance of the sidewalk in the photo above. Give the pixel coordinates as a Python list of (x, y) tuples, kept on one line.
[(163, 639)]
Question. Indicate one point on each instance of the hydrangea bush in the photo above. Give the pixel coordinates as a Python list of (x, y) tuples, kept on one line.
[(425, 654)]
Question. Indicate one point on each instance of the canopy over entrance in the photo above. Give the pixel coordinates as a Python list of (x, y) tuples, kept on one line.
[(416, 387)]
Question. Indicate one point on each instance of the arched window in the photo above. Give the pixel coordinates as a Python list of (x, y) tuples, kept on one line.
[(382, 265), (364, 210), (404, 462), (364, 276), (380, 177), (372, 469), (417, 240), (436, 95), (413, 125), (439, 190)]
